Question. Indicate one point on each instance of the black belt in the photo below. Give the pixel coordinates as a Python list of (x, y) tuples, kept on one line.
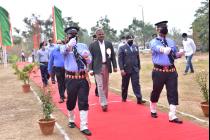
[(160, 68), (75, 75)]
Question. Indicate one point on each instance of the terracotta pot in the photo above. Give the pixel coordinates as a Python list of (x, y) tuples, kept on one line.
[(205, 108), (47, 127), (26, 88)]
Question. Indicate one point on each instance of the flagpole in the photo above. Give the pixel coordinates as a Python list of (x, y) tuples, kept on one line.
[(4, 55), (54, 24)]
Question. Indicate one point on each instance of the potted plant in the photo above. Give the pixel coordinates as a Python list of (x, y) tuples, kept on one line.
[(47, 123), (202, 79), (24, 75)]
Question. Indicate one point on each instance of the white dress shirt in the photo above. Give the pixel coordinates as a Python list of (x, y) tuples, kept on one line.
[(103, 49), (189, 46)]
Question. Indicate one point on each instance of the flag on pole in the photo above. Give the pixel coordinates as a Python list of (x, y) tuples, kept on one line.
[(57, 24), (5, 28)]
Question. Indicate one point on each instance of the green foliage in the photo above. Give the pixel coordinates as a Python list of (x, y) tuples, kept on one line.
[(24, 73), (47, 106), (110, 33), (138, 28), (202, 79), (13, 58), (201, 25), (15, 67)]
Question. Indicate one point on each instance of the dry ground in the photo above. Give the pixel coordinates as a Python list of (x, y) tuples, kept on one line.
[(19, 112)]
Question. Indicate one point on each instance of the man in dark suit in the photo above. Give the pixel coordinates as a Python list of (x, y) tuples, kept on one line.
[(129, 63), (103, 58)]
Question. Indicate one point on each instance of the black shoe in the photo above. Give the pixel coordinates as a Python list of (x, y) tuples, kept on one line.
[(86, 132), (123, 100), (104, 108), (154, 115), (192, 72), (141, 101), (72, 125), (176, 121), (61, 101)]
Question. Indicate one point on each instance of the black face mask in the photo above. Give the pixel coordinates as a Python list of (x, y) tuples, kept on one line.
[(164, 30), (72, 36), (130, 42)]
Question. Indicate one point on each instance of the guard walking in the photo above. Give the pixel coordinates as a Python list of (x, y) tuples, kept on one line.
[(164, 52), (76, 58)]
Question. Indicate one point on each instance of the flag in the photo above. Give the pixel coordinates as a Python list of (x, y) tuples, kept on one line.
[(5, 28), (57, 24)]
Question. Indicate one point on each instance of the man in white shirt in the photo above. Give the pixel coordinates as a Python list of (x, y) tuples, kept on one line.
[(189, 49)]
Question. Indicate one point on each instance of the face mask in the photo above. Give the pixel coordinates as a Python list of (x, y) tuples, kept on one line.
[(130, 42), (164, 30), (72, 36)]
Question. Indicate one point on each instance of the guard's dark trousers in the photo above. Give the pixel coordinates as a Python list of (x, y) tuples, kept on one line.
[(77, 88), (170, 80)]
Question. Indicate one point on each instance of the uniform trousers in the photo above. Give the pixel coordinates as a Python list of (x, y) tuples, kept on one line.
[(170, 80), (134, 76), (77, 88), (60, 75)]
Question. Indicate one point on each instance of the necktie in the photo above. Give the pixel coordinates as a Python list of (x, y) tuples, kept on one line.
[(171, 55), (79, 61)]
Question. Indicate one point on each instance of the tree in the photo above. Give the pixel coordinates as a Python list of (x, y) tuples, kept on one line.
[(142, 31), (200, 25), (110, 33), (176, 35)]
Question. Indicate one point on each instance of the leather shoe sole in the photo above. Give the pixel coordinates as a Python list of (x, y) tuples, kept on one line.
[(176, 121), (86, 132)]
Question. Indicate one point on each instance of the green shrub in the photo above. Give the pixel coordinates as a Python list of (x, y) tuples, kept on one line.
[(47, 105), (202, 79)]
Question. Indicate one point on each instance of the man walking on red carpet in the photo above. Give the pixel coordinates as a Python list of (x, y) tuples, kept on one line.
[(103, 56), (164, 52), (76, 58)]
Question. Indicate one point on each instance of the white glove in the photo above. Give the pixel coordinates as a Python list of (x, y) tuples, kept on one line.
[(85, 54), (165, 50), (72, 42)]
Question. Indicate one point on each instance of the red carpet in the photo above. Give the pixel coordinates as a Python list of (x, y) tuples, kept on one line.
[(129, 121)]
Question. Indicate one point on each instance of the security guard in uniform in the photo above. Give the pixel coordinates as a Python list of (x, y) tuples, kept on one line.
[(76, 58), (164, 52)]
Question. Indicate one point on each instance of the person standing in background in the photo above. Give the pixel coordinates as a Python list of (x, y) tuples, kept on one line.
[(43, 58), (50, 48), (56, 62), (23, 58), (189, 49)]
